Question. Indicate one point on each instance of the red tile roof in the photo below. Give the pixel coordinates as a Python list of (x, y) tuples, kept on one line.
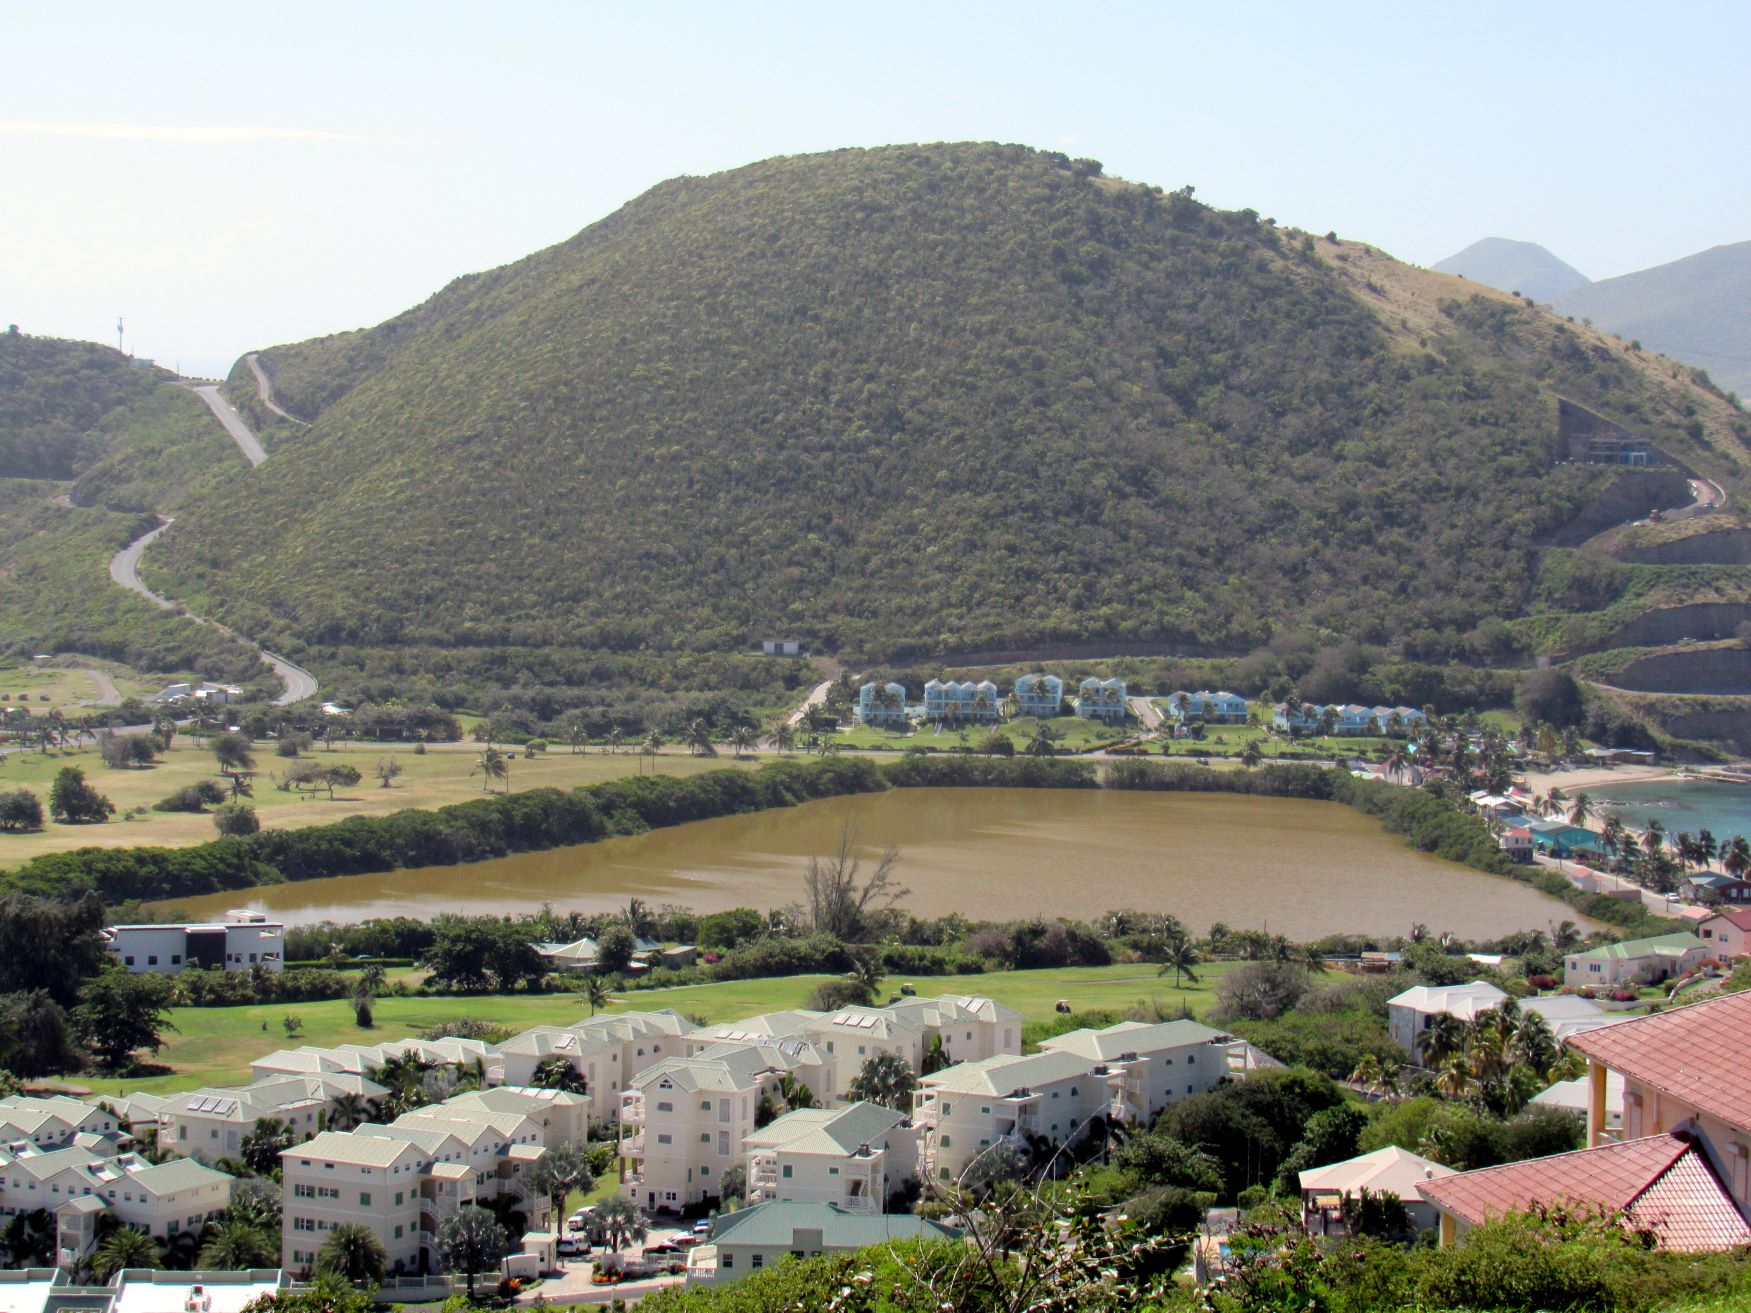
[(1739, 916), (1696, 1054), (1662, 1183)]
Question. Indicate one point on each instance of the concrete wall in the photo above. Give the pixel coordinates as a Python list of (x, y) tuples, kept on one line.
[(1688, 670)]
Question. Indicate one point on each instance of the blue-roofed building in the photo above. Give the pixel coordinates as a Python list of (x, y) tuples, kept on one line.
[(754, 1239), (1102, 699), (1039, 695), (882, 705)]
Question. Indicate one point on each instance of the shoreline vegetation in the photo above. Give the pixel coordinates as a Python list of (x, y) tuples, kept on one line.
[(541, 819)]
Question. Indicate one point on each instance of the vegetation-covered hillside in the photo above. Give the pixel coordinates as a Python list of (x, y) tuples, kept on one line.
[(91, 448), (915, 400)]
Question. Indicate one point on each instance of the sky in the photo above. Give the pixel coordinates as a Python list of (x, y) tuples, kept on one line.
[(225, 177)]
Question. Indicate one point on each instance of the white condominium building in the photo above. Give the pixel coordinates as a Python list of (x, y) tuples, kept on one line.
[(854, 1158), (464, 1055), (212, 1123), (55, 1122), (79, 1186), (607, 1052), (1146, 1066)]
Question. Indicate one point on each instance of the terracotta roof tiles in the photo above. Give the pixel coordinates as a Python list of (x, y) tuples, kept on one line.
[(1696, 1054), (1661, 1182)]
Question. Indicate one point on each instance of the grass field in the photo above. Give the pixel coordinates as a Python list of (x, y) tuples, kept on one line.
[(214, 1046), (51, 688), (432, 779)]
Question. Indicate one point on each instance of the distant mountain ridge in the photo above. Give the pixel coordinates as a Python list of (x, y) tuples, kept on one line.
[(1697, 310), (1511, 266)]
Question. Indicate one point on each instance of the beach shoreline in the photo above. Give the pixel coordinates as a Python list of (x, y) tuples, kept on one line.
[(1585, 779)]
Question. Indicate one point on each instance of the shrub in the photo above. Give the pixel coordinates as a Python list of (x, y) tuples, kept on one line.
[(236, 820), (74, 802), (20, 811), (195, 798)]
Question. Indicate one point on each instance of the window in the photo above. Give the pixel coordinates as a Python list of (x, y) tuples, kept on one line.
[(757, 1262), (705, 1105), (946, 1142), (398, 1195), (176, 959), (832, 1171), (785, 1171), (398, 1233), (705, 1137), (947, 1109), (364, 1198), (665, 1107), (664, 1139), (729, 1260), (128, 961)]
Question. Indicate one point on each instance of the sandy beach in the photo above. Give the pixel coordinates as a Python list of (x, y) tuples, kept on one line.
[(1577, 779)]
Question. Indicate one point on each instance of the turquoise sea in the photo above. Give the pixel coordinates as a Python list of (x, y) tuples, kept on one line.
[(1722, 809)]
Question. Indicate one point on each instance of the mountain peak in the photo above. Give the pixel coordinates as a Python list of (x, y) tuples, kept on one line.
[(1511, 266)]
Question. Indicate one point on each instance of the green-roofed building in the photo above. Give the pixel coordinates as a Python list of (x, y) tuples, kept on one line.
[(757, 1238), (1634, 962)]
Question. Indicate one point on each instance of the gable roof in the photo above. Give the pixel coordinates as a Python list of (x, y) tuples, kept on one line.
[(1694, 1053), (1740, 917), (774, 1225), (1391, 1168), (835, 1132), (1003, 1075), (1462, 1001), (1131, 1037), (1653, 946), (1662, 1183)]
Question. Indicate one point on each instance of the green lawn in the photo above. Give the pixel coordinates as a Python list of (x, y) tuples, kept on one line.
[(214, 1046)]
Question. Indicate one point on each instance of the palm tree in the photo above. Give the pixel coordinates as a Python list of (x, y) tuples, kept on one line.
[(1455, 1081), (1368, 1073), (1180, 958), (1707, 847), (1564, 935), (125, 1247), (797, 1095), (234, 1245), (1736, 857), (784, 737), (471, 1241), (353, 1253), (492, 765), (639, 918), (595, 992), (1444, 1039), (1654, 837), (558, 1073), (1580, 810), (886, 1079), (617, 1223), (616, 739), (558, 1172), (1612, 834), (1251, 755), (699, 739), (349, 1111), (743, 741)]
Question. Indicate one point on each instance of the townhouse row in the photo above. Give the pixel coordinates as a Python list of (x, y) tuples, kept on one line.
[(1348, 720), (980, 703)]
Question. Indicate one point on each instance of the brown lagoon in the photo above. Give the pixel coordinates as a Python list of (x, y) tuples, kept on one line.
[(1302, 869)]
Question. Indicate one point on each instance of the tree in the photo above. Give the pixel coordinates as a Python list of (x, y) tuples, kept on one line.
[(326, 1294), (120, 1012), (1251, 755), (236, 819), (388, 768), (234, 1245), (617, 1223), (471, 1241), (559, 1171), (266, 1141), (492, 765), (125, 1247), (840, 898), (353, 1253), (596, 993), (1552, 696), (640, 919), (74, 802), (558, 1073), (614, 949), (20, 811), (123, 751), (887, 1079), (1180, 958), (743, 741), (699, 739), (234, 752), (1580, 810)]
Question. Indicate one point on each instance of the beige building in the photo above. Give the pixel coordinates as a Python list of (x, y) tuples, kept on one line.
[(1147, 1066), (607, 1052), (469, 1056), (212, 1123), (854, 1158), (161, 1199), (684, 1122), (55, 1122), (753, 1239)]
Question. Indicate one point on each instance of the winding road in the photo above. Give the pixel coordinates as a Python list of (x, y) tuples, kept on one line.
[(265, 390), (124, 566)]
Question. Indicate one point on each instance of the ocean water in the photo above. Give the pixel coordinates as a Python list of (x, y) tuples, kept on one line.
[(1722, 809)]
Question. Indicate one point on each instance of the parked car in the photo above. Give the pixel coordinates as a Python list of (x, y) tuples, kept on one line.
[(580, 1219), (572, 1246), (662, 1251), (702, 1227)]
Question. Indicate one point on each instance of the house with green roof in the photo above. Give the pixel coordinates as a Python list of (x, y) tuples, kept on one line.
[(854, 1157), (753, 1239), (1634, 962)]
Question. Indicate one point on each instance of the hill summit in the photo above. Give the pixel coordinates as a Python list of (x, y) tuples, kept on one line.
[(912, 400), (1511, 266)]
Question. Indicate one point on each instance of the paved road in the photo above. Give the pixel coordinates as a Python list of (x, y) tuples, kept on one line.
[(265, 390), (124, 568), (227, 415), (1146, 712), (817, 697)]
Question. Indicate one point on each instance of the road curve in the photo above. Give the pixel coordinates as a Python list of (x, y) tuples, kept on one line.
[(233, 423), (264, 389), (124, 568), (108, 695)]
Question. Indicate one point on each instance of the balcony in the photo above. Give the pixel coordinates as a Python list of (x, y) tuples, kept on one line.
[(632, 1146)]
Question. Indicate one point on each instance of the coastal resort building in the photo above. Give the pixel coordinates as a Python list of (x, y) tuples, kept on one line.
[(1039, 695), (1102, 699), (962, 702), (882, 705), (1327, 1192), (1635, 962), (1410, 1014), (239, 942), (1219, 708), (1679, 1168), (754, 1239), (854, 1157)]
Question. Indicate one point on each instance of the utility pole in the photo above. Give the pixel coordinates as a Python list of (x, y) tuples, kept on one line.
[(119, 335)]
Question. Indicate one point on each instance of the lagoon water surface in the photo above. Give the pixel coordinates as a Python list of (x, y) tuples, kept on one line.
[(1299, 868)]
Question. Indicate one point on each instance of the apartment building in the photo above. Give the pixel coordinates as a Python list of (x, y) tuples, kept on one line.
[(241, 941), (854, 1158), (963, 1111), (607, 1052), (560, 1116), (212, 1123), (403, 1179), (56, 1122), (158, 1198), (684, 1121), (1147, 1066), (463, 1055)]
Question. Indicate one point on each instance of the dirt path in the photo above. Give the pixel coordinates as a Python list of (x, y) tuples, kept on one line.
[(817, 697), (264, 389), (107, 693)]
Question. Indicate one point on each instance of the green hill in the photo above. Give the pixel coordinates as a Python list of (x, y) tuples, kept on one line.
[(1510, 266), (1697, 310), (916, 400), (92, 446)]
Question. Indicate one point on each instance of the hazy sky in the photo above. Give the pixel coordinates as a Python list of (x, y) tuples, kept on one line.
[(231, 176)]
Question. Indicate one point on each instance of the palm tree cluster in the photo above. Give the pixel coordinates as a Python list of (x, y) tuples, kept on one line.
[(1497, 1061)]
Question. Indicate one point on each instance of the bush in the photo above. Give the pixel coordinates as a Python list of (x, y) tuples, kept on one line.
[(236, 820), (125, 750), (196, 797), (20, 811), (74, 802)]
